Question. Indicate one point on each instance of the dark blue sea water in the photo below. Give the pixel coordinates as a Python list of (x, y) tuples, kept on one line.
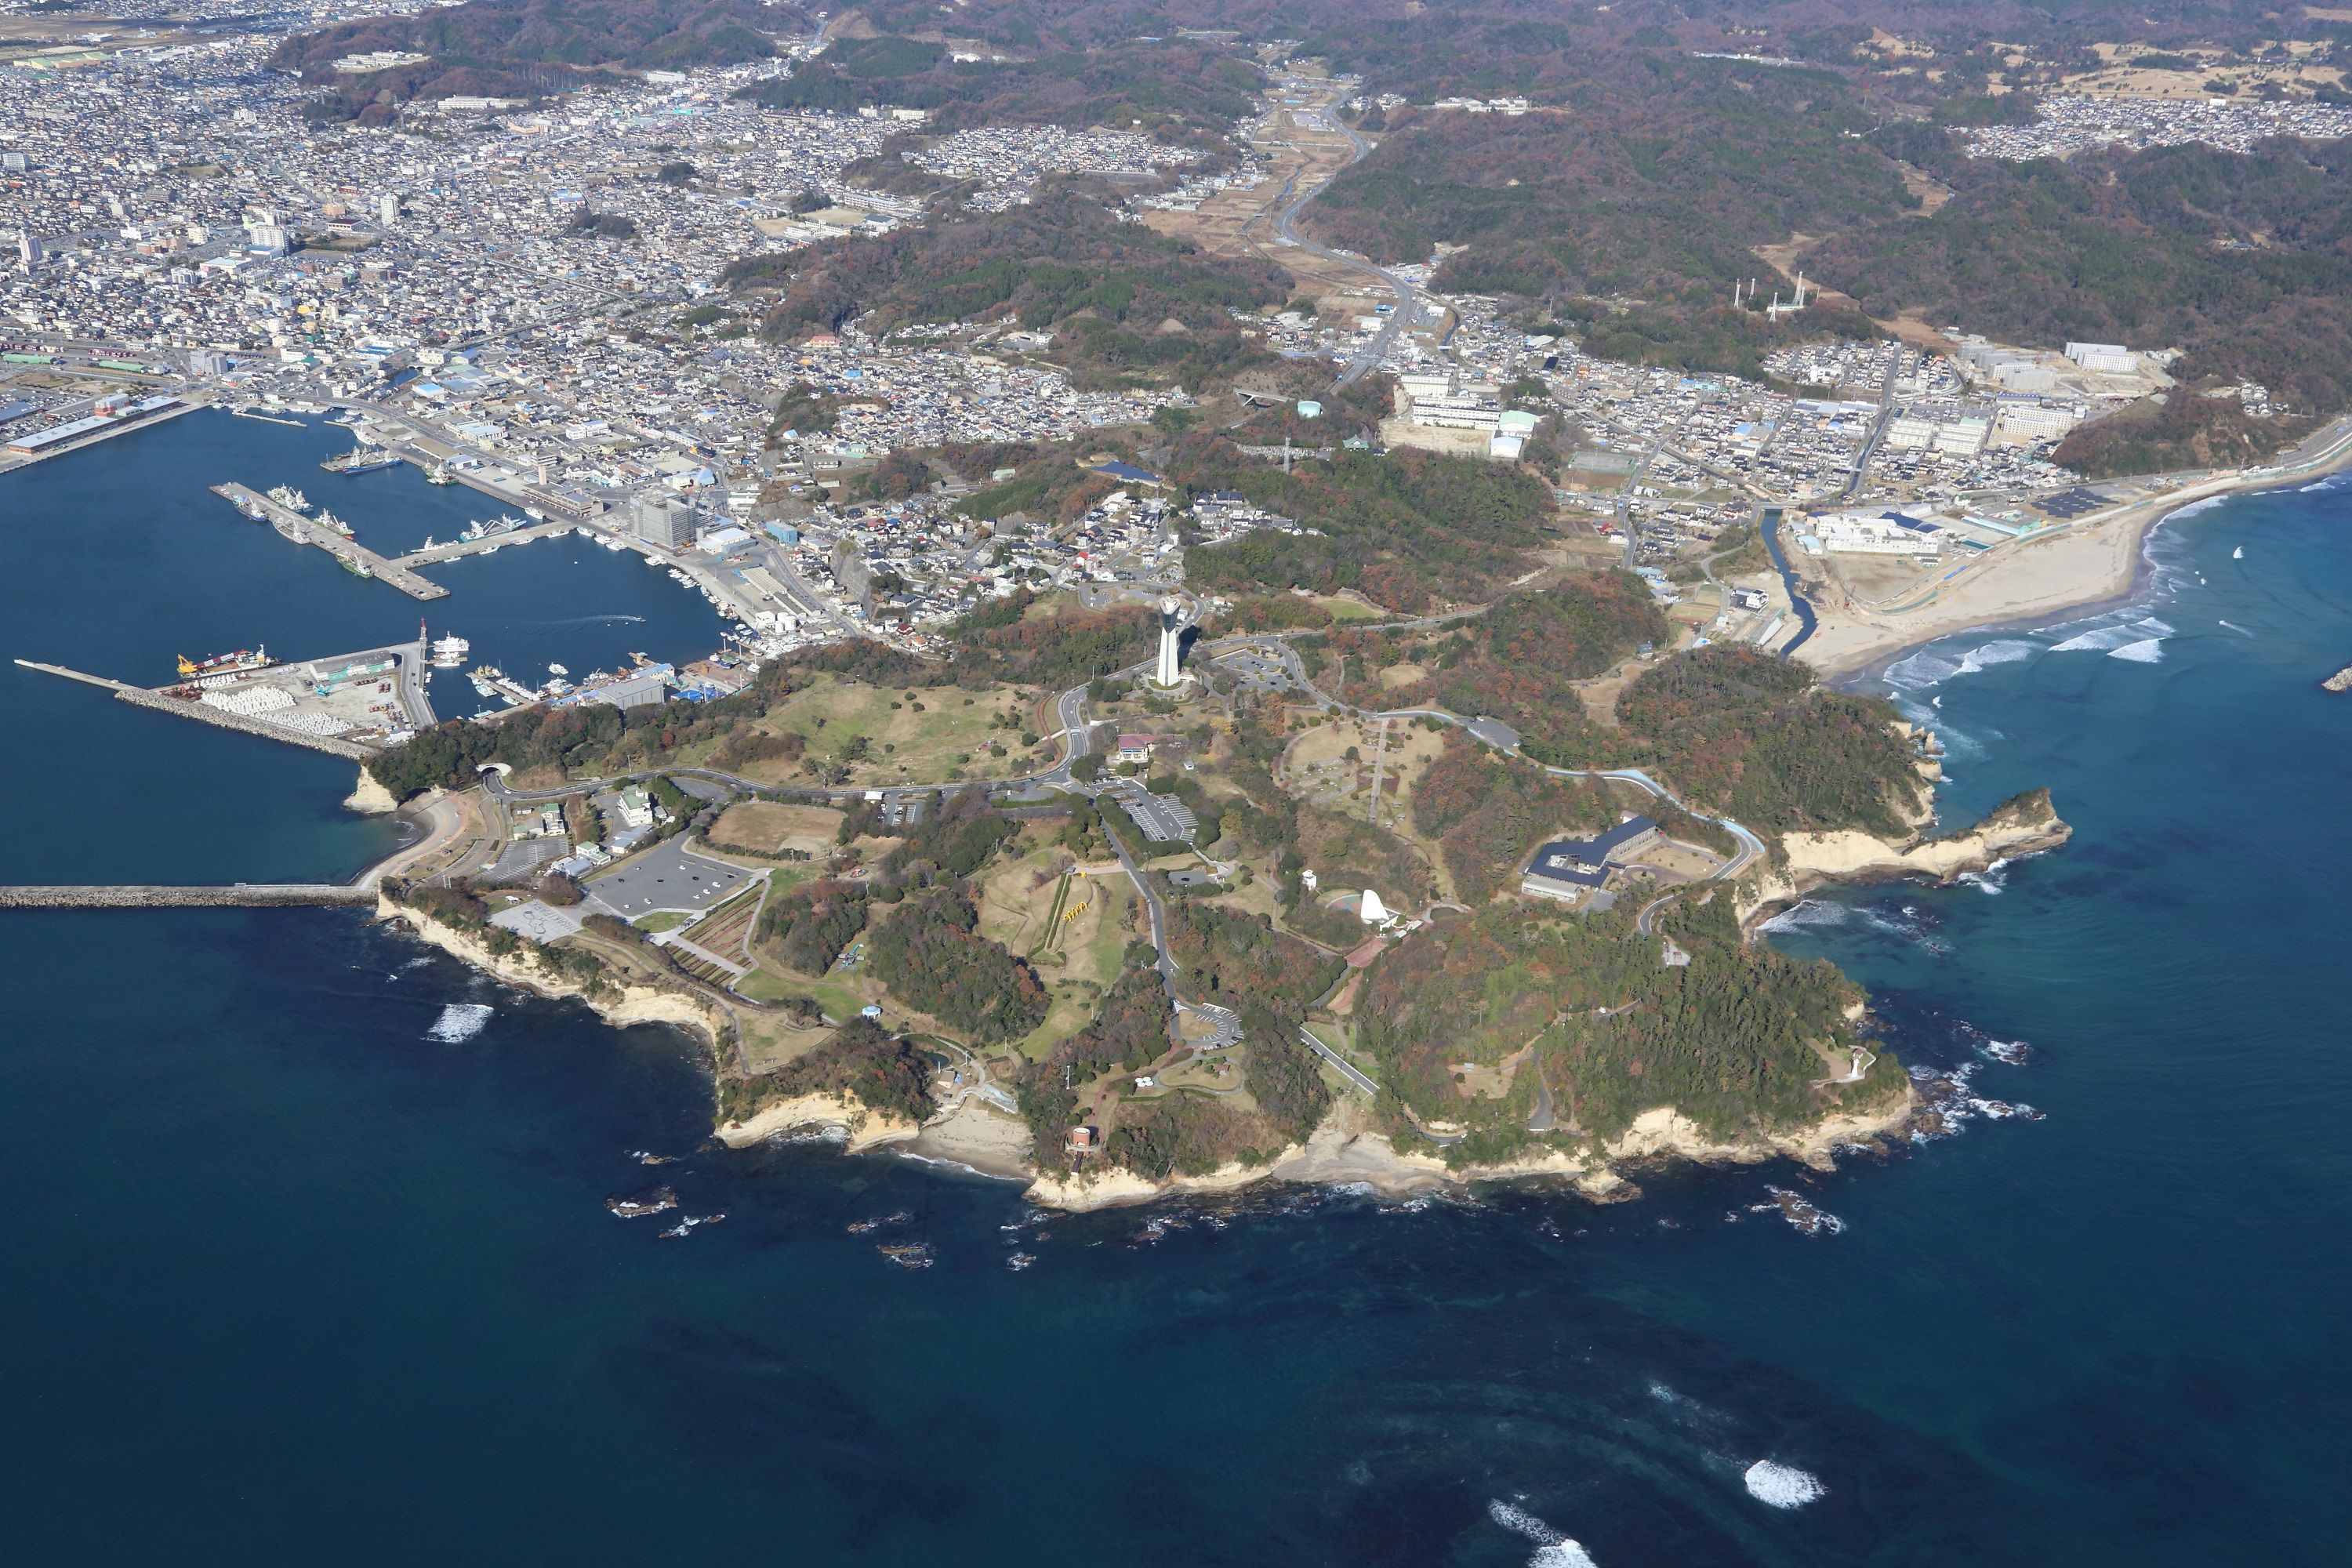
[(290, 1279)]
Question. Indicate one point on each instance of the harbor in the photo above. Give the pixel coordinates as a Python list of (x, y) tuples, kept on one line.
[(303, 529)]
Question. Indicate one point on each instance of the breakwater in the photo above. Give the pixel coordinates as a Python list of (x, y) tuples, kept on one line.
[(234, 895)]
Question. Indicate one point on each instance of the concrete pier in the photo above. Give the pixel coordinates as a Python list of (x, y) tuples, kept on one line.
[(303, 530), (455, 548)]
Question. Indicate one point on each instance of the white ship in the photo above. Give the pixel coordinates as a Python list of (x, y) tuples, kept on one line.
[(449, 652), (289, 498)]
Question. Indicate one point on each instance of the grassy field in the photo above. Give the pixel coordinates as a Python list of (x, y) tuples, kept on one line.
[(1017, 898), (1089, 945), (938, 736), (770, 827)]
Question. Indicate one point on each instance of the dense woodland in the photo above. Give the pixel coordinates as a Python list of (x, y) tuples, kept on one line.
[(813, 924), (1179, 92), (1518, 663), (1753, 737), (1738, 1041), (1239, 960), (861, 1060), (1409, 529), (933, 959), (524, 47), (1656, 186)]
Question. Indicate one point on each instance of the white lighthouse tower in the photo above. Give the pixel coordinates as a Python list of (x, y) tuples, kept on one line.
[(1172, 637)]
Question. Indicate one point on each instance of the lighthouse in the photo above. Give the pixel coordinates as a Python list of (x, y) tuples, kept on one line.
[(1171, 636)]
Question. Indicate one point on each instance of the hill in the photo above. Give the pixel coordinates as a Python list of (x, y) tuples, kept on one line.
[(1128, 306), (525, 47)]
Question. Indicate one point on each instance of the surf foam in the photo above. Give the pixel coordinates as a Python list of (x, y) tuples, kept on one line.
[(1783, 1486), (460, 1021), (1553, 1550)]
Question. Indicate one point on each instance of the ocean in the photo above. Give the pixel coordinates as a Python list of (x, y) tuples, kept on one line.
[(308, 1258)]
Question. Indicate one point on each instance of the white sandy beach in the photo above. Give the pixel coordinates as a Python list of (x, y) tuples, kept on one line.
[(2086, 563)]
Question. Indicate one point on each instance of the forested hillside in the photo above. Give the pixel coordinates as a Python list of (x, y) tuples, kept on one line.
[(524, 47), (1738, 1041), (1110, 291), (1169, 89)]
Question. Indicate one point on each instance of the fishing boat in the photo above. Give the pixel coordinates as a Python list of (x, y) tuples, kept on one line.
[(289, 498), (361, 458), (337, 524), (356, 568), (439, 474), (449, 652)]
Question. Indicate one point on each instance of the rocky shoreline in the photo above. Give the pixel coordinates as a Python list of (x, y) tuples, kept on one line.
[(2026, 824), (1345, 1149)]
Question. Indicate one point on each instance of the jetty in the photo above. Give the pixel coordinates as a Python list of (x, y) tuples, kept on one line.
[(304, 530)]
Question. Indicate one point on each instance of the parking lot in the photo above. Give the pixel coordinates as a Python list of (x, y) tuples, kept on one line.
[(666, 877)]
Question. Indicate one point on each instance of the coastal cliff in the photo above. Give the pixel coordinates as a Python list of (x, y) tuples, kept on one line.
[(619, 1004), (865, 1127), (2025, 823), (1344, 1150)]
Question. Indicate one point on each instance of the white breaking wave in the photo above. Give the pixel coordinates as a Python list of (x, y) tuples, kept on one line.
[(2006, 650), (2147, 650), (1991, 879), (460, 1021), (1809, 912), (1553, 1550), (1783, 1486), (2193, 507), (2107, 639)]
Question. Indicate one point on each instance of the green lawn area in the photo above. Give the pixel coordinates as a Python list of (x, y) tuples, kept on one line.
[(663, 920)]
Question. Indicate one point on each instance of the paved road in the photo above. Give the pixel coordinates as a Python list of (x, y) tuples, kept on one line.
[(1345, 1067), (1408, 303)]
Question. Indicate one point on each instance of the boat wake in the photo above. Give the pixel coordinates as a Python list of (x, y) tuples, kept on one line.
[(1553, 1550), (458, 1021)]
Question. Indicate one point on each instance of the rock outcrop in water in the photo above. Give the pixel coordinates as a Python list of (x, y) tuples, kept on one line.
[(2339, 682), (2025, 823)]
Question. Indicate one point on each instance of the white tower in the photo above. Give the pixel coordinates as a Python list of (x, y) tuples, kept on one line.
[(1171, 630)]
